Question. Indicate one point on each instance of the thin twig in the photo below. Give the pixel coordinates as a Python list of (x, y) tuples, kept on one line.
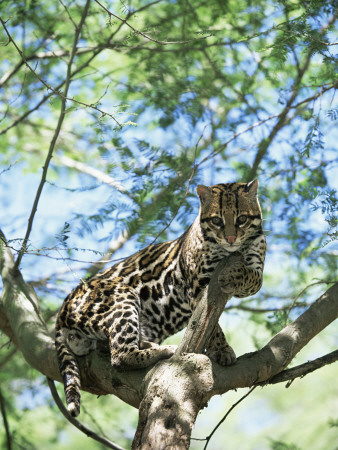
[(226, 415), (292, 305), (8, 357), (55, 136), (145, 35), (4, 418), (193, 172), (96, 52), (235, 136), (50, 88), (282, 119), (261, 122), (104, 441), (63, 52)]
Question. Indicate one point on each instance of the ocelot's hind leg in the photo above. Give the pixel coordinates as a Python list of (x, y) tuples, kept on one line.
[(123, 329)]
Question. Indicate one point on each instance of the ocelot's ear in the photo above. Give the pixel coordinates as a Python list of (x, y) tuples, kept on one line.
[(251, 188), (204, 193)]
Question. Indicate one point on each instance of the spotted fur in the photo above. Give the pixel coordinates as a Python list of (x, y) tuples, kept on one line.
[(149, 296)]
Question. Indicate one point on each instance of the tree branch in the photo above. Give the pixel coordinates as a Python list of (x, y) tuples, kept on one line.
[(8, 357), (63, 52), (57, 129), (137, 32), (262, 365), (76, 423), (208, 438), (42, 55), (302, 369), (96, 52), (91, 171), (24, 324), (22, 320), (63, 95), (176, 389), (5, 421), (282, 120), (125, 235), (5, 325), (206, 315), (186, 383), (286, 375)]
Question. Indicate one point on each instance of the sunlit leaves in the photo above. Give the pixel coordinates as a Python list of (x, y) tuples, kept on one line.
[(250, 92), (333, 113), (314, 140)]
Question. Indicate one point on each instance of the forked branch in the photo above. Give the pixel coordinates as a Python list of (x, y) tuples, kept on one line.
[(173, 391), (177, 389)]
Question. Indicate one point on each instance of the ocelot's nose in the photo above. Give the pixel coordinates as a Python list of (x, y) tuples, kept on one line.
[(230, 239)]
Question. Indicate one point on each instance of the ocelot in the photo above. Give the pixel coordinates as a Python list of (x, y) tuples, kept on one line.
[(150, 295)]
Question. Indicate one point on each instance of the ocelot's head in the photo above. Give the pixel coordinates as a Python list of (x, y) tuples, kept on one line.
[(230, 213)]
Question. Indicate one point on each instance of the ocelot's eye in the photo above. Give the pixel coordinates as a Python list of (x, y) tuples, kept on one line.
[(217, 221), (242, 219)]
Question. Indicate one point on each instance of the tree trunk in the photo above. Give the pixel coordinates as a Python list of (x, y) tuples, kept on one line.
[(175, 391), (170, 394)]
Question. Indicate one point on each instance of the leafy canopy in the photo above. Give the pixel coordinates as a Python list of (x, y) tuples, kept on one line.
[(164, 95)]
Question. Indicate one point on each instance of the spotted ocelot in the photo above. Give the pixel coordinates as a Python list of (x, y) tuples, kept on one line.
[(150, 295)]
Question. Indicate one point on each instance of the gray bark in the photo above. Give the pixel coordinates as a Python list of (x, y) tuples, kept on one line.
[(170, 394)]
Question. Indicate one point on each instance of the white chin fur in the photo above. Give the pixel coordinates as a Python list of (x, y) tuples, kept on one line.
[(232, 248)]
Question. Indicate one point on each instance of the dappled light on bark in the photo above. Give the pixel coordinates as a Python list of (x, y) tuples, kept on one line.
[(111, 114)]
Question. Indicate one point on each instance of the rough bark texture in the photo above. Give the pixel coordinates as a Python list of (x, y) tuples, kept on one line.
[(171, 393), (206, 314), (21, 308), (189, 381), (175, 391)]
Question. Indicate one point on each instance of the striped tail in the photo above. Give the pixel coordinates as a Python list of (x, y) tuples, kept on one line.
[(69, 371)]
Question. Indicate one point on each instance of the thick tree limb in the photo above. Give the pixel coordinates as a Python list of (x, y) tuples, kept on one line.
[(21, 320), (199, 379), (173, 391), (260, 366), (303, 369), (5, 325), (24, 323)]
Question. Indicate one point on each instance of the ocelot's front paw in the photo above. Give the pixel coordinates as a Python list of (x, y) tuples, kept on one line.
[(133, 358), (167, 351), (225, 356), (231, 280)]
